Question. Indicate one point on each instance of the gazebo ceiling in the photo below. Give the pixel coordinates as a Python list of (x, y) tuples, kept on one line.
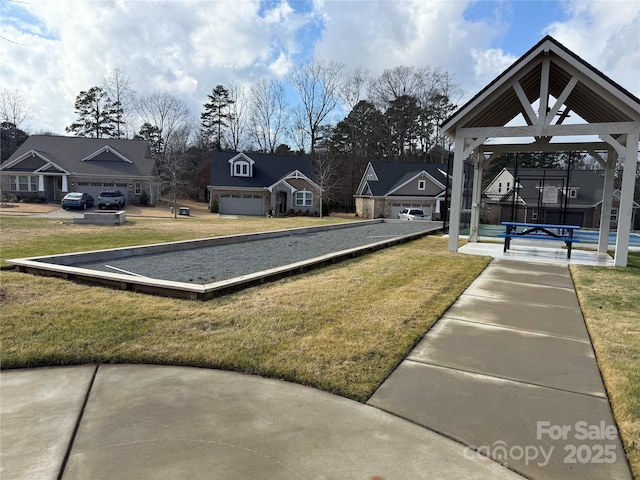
[(548, 71)]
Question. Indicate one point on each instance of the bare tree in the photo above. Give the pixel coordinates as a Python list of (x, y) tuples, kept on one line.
[(173, 166), (269, 114), (297, 130), (325, 165), (118, 87), (318, 84), (14, 108), (352, 89), (237, 116), (165, 112), (392, 84)]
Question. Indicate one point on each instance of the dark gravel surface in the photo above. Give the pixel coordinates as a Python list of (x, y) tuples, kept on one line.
[(222, 262)]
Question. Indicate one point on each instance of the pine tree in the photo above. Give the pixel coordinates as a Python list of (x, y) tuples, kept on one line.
[(97, 115), (216, 115)]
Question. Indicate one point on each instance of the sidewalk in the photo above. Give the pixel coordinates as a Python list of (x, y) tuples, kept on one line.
[(509, 371), (158, 422)]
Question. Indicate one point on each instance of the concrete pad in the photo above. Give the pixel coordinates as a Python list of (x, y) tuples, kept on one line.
[(39, 409), (565, 322), (184, 423), (501, 418), (536, 255), (535, 358), (551, 275), (540, 294)]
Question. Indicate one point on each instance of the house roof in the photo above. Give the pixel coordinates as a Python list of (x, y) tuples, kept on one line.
[(589, 93), (392, 175), (589, 184), (83, 156), (268, 169)]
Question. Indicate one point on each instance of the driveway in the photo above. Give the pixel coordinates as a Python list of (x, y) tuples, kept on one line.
[(61, 213)]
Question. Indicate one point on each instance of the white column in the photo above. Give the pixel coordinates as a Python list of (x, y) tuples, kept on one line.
[(65, 184), (626, 201), (476, 196), (41, 183), (456, 195), (607, 200)]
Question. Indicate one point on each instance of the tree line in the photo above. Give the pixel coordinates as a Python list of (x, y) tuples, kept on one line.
[(341, 119)]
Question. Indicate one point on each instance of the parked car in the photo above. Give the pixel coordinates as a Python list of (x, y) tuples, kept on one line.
[(77, 200), (111, 199), (413, 214)]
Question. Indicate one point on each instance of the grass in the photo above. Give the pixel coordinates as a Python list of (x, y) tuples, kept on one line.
[(610, 302), (342, 329)]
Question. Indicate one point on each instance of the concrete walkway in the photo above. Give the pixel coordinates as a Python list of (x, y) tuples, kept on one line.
[(155, 422), (510, 372)]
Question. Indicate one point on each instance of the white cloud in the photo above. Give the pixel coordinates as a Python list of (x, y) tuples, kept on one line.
[(378, 35), (183, 47), (187, 47), (606, 35)]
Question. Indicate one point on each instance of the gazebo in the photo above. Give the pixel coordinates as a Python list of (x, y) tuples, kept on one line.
[(559, 96)]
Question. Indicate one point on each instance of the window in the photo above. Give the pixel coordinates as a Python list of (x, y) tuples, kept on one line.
[(304, 199), (241, 169), (573, 193), (23, 183), (534, 214), (499, 187), (508, 186), (422, 184), (614, 215), (138, 188)]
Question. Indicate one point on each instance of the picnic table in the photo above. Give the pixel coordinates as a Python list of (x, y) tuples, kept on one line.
[(539, 231)]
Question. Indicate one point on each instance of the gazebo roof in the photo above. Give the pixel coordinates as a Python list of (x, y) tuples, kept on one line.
[(559, 80), (572, 99)]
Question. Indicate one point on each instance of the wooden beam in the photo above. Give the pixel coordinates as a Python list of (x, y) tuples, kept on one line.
[(530, 115), (468, 149), (551, 130), (560, 101), (620, 148), (544, 89), (546, 147)]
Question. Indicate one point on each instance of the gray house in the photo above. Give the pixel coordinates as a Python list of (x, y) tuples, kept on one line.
[(257, 184), (48, 167), (549, 196), (386, 188)]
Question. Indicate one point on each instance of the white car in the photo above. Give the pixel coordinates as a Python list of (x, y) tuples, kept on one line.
[(412, 214)]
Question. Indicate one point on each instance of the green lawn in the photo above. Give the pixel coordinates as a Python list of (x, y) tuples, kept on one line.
[(610, 302), (342, 328)]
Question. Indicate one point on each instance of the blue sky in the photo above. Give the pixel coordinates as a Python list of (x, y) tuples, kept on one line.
[(526, 21), (53, 49)]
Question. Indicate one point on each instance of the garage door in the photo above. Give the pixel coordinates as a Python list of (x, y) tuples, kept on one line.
[(396, 208), (91, 190), (242, 205)]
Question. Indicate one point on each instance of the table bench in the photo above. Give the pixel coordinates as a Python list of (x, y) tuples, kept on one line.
[(539, 231)]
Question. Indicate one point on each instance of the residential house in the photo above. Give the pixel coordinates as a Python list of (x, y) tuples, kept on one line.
[(46, 167), (259, 184), (388, 187), (549, 196)]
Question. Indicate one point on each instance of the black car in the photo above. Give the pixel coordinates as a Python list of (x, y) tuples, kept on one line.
[(111, 199), (77, 200)]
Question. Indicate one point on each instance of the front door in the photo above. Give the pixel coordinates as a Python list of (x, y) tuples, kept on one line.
[(50, 189), (281, 203)]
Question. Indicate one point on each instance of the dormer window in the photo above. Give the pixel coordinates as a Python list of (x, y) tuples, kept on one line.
[(241, 166)]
